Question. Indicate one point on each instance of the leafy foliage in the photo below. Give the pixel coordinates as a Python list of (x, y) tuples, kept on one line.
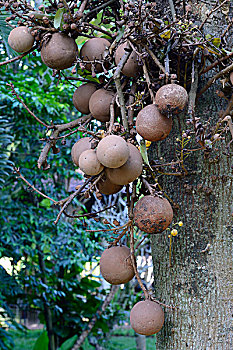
[(51, 258)]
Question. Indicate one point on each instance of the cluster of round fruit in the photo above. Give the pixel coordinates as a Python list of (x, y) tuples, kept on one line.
[(146, 317), (122, 161), (154, 122), (59, 51)]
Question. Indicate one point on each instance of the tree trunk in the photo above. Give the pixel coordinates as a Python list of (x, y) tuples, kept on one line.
[(140, 341), (199, 280)]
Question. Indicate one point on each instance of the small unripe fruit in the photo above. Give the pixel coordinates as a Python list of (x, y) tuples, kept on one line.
[(147, 317), (116, 266), (20, 39), (112, 151), (153, 214), (171, 99)]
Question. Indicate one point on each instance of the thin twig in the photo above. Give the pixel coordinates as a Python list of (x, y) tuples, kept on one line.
[(32, 186), (132, 256), (91, 324), (148, 81), (98, 8), (162, 304), (17, 57), (118, 228), (216, 63), (90, 215), (147, 185), (131, 102), (118, 238), (14, 93), (68, 9), (99, 29), (215, 77), (155, 59), (42, 161), (210, 13), (71, 197)]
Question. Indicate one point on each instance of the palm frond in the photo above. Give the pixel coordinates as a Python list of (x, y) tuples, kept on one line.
[(4, 33)]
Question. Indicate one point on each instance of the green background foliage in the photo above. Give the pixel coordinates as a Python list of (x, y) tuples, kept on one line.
[(27, 230)]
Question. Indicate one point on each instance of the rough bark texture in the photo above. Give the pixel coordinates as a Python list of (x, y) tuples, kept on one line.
[(200, 283), (200, 278)]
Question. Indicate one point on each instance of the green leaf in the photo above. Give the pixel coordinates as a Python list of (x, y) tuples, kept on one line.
[(69, 343), (216, 41), (143, 151), (58, 17), (45, 203), (42, 342)]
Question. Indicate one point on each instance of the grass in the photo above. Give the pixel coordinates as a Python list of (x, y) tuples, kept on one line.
[(120, 339), (25, 341)]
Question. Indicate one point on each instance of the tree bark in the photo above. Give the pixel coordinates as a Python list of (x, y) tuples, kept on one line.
[(140, 341), (200, 278)]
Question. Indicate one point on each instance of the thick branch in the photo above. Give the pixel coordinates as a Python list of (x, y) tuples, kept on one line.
[(172, 7), (117, 80), (83, 5), (42, 161)]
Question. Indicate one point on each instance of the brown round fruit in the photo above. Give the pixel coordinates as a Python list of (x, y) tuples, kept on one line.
[(89, 163), (231, 78), (82, 96), (153, 214), (129, 171), (20, 39), (105, 186), (131, 67), (147, 317), (171, 99), (79, 147), (152, 125), (99, 104), (92, 50), (59, 52), (116, 266), (112, 151)]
